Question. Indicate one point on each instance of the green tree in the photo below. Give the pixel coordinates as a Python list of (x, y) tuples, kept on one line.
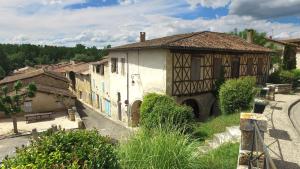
[(2, 73), (10, 103), (289, 58), (259, 38)]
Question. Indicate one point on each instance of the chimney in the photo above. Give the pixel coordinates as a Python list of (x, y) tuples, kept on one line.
[(142, 36), (250, 35)]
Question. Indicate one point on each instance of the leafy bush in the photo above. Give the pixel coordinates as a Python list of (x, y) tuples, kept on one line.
[(237, 94), (285, 76), (162, 111), (159, 149), (76, 149)]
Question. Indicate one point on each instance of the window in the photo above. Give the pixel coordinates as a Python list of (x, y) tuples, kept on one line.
[(101, 69), (114, 65), (97, 68), (27, 106), (235, 67), (250, 66), (260, 65), (195, 68), (123, 66), (217, 68)]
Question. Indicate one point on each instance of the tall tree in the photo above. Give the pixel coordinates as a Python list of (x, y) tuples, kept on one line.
[(11, 103)]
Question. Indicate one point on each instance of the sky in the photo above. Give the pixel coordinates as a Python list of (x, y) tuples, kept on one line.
[(116, 22)]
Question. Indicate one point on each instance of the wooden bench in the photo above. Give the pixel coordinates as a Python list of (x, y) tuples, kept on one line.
[(38, 116)]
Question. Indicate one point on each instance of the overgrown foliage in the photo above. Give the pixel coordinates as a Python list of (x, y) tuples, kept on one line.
[(289, 58), (205, 130), (162, 111), (74, 150), (224, 157), (159, 149), (11, 104), (285, 76), (237, 94), (14, 56)]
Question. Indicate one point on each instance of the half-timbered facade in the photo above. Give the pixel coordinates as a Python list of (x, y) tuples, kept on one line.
[(197, 72), (184, 66)]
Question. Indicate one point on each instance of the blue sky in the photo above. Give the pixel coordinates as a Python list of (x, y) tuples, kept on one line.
[(102, 22)]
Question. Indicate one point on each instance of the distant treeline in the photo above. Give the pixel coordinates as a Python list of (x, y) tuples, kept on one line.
[(13, 56)]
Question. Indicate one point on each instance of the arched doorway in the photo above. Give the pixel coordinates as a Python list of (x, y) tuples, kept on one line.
[(194, 105), (135, 113)]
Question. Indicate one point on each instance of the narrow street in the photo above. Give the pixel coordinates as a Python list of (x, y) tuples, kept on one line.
[(7, 146), (105, 126)]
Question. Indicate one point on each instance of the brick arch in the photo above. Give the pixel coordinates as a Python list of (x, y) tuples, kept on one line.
[(194, 105)]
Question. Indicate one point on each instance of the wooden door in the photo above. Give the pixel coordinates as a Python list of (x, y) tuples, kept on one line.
[(235, 67)]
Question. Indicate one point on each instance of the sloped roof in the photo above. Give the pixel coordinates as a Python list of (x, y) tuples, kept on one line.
[(76, 68), (282, 42), (31, 74), (54, 90), (198, 41)]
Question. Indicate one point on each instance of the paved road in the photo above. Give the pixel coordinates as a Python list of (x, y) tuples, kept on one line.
[(295, 116), (7, 146), (105, 126)]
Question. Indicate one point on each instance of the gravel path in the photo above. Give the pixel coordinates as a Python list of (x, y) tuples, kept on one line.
[(7, 146), (105, 126), (282, 138)]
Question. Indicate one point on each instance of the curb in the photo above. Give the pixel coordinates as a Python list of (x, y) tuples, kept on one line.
[(290, 106)]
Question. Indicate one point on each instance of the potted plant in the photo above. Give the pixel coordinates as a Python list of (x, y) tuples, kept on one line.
[(259, 105)]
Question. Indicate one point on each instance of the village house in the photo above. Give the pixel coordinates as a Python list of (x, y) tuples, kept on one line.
[(184, 66), (52, 91), (296, 42), (83, 84), (100, 86), (281, 46)]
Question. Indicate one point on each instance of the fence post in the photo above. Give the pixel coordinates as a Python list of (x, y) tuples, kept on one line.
[(248, 139)]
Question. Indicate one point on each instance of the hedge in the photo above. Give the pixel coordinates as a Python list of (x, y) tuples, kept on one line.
[(237, 94), (75, 149), (162, 111), (285, 76)]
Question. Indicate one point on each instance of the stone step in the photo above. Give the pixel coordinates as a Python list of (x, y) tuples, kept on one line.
[(235, 132)]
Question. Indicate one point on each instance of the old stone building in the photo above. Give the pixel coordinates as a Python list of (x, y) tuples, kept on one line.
[(184, 66), (52, 91)]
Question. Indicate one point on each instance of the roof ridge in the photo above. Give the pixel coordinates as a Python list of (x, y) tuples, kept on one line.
[(192, 34)]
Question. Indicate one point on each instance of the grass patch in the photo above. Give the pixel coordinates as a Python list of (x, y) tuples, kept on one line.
[(206, 130), (224, 157), (159, 149)]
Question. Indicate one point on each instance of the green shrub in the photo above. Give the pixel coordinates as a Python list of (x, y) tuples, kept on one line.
[(158, 149), (285, 76), (237, 94), (76, 149), (162, 111)]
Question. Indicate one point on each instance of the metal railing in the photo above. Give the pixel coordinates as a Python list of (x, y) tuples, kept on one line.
[(255, 156)]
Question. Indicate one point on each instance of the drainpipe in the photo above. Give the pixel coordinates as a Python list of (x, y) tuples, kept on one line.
[(128, 107)]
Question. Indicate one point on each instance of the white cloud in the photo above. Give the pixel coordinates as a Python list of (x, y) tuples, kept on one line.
[(128, 2), (120, 24), (208, 3)]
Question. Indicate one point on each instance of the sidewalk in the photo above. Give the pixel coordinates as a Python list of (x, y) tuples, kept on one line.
[(282, 137)]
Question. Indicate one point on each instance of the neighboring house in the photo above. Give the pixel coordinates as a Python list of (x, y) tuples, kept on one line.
[(100, 86), (184, 66), (296, 42), (52, 91), (281, 47), (83, 85)]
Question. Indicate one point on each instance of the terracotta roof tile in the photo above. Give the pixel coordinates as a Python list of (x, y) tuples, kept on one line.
[(198, 41), (27, 75)]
